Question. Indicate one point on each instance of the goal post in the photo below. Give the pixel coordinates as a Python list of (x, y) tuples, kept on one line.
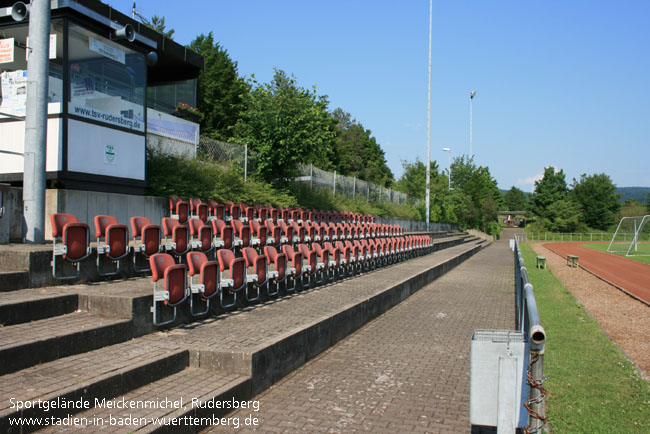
[(632, 237)]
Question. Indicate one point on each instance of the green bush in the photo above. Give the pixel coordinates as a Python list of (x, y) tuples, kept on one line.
[(169, 176), (493, 228)]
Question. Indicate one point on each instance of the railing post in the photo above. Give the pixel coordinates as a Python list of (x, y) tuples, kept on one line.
[(537, 413)]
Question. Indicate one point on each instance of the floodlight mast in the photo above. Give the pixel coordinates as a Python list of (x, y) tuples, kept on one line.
[(428, 186)]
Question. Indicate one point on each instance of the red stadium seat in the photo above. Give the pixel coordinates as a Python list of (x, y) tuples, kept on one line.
[(201, 236), (204, 280), (198, 209), (177, 237), (278, 274), (259, 276), (174, 281), (179, 209), (71, 242), (236, 277), (294, 266), (216, 210), (146, 241), (112, 243), (224, 234)]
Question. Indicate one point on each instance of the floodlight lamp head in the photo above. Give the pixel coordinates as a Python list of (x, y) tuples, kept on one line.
[(472, 94), (446, 149)]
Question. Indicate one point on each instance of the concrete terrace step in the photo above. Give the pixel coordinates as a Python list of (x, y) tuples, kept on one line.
[(271, 339), (28, 344), (256, 345), (102, 373), (27, 305), (197, 388), (12, 280)]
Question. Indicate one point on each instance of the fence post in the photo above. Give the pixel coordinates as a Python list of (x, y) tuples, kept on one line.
[(311, 176), (245, 161), (368, 193), (354, 187), (335, 183)]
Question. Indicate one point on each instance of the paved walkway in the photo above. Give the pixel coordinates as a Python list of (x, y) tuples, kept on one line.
[(406, 371)]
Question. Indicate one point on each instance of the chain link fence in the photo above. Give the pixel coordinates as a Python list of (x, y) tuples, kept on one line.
[(347, 186), (227, 153), (242, 157)]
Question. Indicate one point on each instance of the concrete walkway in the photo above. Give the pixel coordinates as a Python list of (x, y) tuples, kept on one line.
[(406, 371)]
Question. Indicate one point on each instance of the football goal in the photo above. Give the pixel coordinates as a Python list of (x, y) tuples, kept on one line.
[(632, 237)]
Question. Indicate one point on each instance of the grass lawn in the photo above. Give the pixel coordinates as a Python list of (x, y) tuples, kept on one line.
[(592, 387), (643, 248)]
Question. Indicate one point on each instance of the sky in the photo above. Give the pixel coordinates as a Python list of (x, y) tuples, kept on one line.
[(558, 83)]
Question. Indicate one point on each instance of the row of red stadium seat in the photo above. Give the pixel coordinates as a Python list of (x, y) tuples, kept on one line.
[(183, 210), (294, 266), (255, 254)]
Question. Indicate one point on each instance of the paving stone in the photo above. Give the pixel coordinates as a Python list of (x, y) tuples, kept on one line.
[(406, 371)]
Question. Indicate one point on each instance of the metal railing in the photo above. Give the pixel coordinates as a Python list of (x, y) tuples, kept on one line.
[(528, 322), (577, 236)]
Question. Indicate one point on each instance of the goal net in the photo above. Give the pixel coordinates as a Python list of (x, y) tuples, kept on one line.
[(632, 237)]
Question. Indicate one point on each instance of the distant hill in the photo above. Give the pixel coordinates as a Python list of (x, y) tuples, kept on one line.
[(636, 193)]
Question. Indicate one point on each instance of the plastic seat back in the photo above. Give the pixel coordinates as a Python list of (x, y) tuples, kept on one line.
[(279, 260), (294, 256), (208, 272), (74, 235), (115, 235), (178, 232), (149, 234), (235, 266), (201, 232), (164, 268), (179, 209)]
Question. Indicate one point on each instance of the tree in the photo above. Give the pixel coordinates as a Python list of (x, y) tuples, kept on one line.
[(631, 208), (563, 216), (358, 153), (515, 200), (597, 197), (548, 190), (221, 92), (286, 125), (477, 183), (413, 183), (158, 24)]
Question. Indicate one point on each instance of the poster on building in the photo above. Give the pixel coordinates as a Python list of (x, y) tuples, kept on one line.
[(14, 88), (106, 50), (7, 50)]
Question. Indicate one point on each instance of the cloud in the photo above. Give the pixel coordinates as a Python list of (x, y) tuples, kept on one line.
[(532, 179)]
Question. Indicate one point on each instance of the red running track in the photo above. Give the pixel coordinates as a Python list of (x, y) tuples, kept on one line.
[(630, 275)]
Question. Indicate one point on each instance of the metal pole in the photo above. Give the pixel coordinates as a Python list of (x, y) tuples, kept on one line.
[(429, 118), (335, 183), (245, 161), (354, 187), (471, 98), (311, 176), (36, 123)]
